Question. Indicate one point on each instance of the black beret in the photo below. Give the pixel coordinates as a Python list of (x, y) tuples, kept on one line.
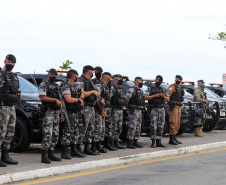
[(11, 58), (159, 77), (201, 81), (52, 71), (98, 68), (73, 71), (117, 75), (107, 73), (180, 77), (138, 78), (88, 67)]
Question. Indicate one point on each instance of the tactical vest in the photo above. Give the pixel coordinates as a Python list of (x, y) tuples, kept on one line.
[(119, 98), (107, 96), (95, 81), (158, 100), (88, 87), (178, 95), (138, 99), (73, 107), (51, 93), (9, 92)]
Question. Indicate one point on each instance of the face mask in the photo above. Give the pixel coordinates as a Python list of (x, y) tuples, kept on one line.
[(109, 84), (52, 79), (158, 84), (9, 67), (203, 86), (140, 85), (177, 82), (120, 82), (91, 76), (98, 75), (75, 79)]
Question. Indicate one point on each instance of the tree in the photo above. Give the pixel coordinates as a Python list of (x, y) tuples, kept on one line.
[(66, 65), (219, 36)]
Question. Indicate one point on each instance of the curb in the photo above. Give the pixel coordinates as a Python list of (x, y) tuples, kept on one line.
[(19, 176)]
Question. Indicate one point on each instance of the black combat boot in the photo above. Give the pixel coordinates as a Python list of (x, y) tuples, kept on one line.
[(136, 144), (153, 144), (6, 159), (75, 152), (159, 143), (112, 143), (45, 158), (65, 153), (101, 149), (130, 144), (80, 150), (177, 140), (88, 151), (52, 157), (94, 148), (118, 145), (172, 140), (2, 164), (107, 144)]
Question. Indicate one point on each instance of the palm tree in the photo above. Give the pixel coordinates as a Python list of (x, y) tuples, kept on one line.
[(66, 65)]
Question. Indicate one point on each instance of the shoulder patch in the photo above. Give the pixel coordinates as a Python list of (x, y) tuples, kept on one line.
[(170, 89)]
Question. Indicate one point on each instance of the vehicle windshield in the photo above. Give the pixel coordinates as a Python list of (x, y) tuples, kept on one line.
[(26, 86), (210, 94)]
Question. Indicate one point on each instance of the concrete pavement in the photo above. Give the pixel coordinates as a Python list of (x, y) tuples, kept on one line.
[(30, 166)]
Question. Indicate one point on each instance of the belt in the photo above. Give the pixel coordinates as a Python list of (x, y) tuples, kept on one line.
[(6, 104), (157, 106), (118, 107), (89, 104)]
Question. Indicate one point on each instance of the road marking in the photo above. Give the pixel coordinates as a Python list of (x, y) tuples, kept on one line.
[(88, 173)]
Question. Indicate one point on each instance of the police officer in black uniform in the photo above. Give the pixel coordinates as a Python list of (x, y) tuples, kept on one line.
[(9, 96), (98, 75)]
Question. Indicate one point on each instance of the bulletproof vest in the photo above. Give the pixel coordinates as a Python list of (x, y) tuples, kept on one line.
[(75, 93), (119, 98), (107, 96), (138, 99), (156, 90), (178, 94), (95, 81), (52, 92), (88, 86), (9, 92)]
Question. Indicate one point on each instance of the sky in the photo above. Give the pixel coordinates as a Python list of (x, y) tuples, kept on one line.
[(129, 37)]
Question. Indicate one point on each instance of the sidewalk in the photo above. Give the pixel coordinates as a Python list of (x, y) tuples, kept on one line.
[(30, 167)]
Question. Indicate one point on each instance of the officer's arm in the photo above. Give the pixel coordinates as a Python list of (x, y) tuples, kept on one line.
[(170, 90), (199, 98), (127, 101), (88, 93), (48, 99), (69, 99), (151, 97)]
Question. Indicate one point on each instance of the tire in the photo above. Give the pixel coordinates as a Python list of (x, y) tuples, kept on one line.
[(221, 126), (21, 139), (181, 131), (209, 128), (124, 131)]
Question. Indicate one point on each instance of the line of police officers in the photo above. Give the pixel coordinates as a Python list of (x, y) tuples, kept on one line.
[(94, 108)]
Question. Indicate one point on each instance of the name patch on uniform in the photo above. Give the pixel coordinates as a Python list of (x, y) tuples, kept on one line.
[(170, 89)]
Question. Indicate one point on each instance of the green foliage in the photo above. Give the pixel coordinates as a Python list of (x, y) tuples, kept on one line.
[(219, 36), (66, 65)]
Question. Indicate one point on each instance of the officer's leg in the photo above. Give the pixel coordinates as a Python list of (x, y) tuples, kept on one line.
[(90, 120), (66, 139), (153, 126), (47, 134), (115, 118), (81, 133), (119, 130), (138, 123), (172, 124), (160, 126), (178, 116), (96, 133), (54, 138), (10, 130), (4, 119), (131, 129)]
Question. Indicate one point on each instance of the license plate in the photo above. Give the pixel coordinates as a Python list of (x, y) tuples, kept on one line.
[(222, 113)]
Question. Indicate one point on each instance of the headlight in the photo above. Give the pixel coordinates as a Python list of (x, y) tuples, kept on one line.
[(212, 105)]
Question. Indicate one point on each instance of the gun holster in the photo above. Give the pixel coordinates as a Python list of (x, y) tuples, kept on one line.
[(171, 105)]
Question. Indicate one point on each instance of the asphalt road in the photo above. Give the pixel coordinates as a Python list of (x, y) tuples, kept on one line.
[(207, 168)]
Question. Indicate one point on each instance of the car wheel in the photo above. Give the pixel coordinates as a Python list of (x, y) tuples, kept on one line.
[(181, 131), (21, 139), (209, 128), (221, 126)]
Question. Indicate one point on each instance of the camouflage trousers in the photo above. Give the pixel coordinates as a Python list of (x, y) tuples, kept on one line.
[(90, 122), (50, 130), (157, 118), (108, 124), (134, 124), (81, 129), (70, 132), (7, 125), (99, 128), (117, 119)]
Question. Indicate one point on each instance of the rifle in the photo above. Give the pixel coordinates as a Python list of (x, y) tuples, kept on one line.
[(63, 109), (82, 111)]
